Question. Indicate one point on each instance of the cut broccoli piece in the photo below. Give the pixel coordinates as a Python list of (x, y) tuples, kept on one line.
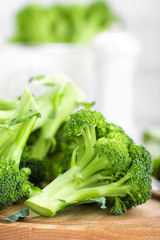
[(13, 134), (104, 163)]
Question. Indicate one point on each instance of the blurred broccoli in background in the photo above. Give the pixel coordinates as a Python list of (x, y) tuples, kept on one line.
[(62, 23), (151, 139)]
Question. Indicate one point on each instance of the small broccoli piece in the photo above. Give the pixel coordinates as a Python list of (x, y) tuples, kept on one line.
[(13, 136), (103, 163), (119, 207)]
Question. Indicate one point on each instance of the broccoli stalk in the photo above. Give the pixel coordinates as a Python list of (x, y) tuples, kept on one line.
[(65, 98), (104, 163), (62, 100), (13, 134)]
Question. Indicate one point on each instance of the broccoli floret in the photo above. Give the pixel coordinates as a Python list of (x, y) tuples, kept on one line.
[(141, 156), (118, 206), (103, 164), (61, 100), (13, 136)]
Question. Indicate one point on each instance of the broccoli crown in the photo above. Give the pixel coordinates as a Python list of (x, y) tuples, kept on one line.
[(105, 162), (140, 185), (115, 152), (140, 155), (156, 168), (13, 182), (82, 119), (116, 132), (82, 129)]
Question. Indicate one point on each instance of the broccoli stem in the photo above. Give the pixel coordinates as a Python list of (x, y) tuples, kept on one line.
[(45, 105), (106, 190), (51, 126), (65, 190), (97, 179), (64, 109), (40, 203), (89, 136), (20, 140), (94, 166), (21, 131)]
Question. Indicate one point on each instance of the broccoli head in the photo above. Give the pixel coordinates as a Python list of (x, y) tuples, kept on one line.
[(104, 162)]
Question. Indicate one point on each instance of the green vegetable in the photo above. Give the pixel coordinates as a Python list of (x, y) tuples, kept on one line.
[(56, 105), (13, 136), (104, 162), (52, 105), (62, 23)]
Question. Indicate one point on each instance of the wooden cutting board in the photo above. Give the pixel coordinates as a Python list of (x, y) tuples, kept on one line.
[(87, 222)]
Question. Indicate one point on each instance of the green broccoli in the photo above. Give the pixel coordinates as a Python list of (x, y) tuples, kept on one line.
[(59, 102), (13, 134), (62, 23), (103, 164)]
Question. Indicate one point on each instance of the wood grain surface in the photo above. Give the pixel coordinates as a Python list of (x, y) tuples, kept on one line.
[(87, 222)]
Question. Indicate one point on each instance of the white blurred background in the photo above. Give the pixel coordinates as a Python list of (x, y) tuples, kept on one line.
[(142, 21)]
